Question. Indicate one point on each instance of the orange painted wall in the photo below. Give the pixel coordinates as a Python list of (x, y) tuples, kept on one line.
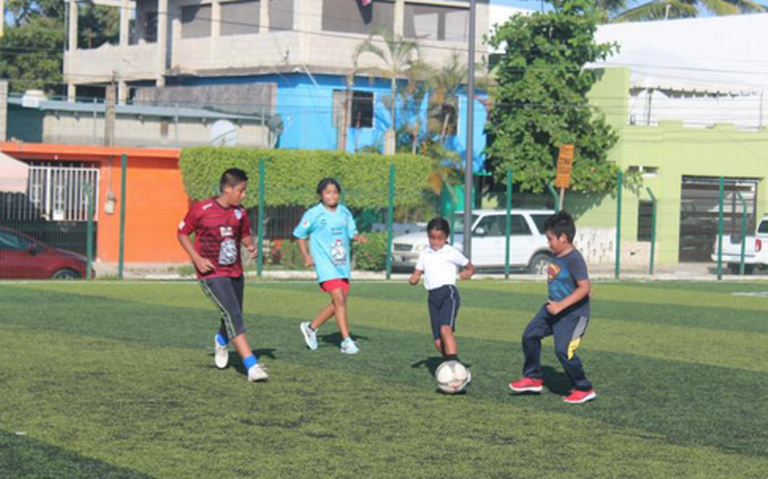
[(155, 198)]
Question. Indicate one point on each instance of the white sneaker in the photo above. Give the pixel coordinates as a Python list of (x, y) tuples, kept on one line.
[(310, 337), (220, 355), (257, 373), (348, 346)]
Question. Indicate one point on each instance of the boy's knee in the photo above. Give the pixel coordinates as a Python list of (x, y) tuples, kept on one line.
[(531, 336), (446, 330)]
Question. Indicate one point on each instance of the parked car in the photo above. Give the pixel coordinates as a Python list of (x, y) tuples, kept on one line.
[(22, 257), (528, 245), (755, 249)]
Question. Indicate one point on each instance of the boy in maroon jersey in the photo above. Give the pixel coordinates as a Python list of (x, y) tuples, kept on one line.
[(220, 226)]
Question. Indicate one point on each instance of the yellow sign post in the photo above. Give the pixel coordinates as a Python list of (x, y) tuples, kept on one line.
[(564, 168)]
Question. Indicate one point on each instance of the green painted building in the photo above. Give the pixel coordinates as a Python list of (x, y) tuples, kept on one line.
[(681, 165)]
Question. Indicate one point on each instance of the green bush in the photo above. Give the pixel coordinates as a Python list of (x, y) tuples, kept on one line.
[(290, 255), (371, 256), (291, 175)]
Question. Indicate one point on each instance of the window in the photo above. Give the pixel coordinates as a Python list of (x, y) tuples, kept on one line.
[(431, 22), (646, 171), (280, 15), (350, 16), (12, 242), (196, 21), (644, 220), (240, 18), (763, 228), (361, 111), (496, 225), (148, 26)]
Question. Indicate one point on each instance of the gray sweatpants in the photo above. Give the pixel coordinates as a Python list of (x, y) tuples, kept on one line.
[(227, 295)]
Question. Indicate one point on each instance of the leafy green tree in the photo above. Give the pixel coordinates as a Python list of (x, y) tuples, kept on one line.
[(540, 100), (31, 52)]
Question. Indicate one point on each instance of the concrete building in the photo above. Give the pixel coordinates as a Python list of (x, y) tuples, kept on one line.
[(78, 123), (303, 48), (687, 98)]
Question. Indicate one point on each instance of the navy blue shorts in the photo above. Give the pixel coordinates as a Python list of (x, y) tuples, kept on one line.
[(444, 305)]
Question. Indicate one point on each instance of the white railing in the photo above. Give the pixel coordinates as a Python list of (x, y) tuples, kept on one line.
[(54, 193)]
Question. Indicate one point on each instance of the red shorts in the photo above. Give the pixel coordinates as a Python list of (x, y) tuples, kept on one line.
[(334, 284)]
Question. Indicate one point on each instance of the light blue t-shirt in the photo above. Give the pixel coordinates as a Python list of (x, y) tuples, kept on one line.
[(329, 236)]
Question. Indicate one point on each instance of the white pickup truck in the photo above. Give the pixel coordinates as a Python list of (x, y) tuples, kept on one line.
[(755, 251), (528, 245)]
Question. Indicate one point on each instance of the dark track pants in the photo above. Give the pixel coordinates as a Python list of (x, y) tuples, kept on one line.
[(227, 295), (568, 329)]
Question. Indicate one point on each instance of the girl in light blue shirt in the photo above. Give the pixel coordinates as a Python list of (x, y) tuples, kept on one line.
[(330, 228)]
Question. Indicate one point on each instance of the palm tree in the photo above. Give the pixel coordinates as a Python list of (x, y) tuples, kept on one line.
[(444, 100), (398, 56), (663, 9), (412, 97)]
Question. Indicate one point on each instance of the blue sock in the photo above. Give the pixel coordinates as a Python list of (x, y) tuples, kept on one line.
[(250, 362), (221, 340)]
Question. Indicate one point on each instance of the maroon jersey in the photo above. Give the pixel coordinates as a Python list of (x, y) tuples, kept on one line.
[(218, 232)]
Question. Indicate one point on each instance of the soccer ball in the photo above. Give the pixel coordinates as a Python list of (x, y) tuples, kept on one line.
[(452, 377)]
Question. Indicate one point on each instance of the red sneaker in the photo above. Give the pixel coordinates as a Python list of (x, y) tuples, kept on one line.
[(527, 385), (579, 397)]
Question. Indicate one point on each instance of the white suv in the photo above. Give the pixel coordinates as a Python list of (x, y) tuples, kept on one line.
[(527, 249)]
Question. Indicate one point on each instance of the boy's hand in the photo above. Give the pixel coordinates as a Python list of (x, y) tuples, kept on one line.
[(253, 250), (554, 308), (203, 265), (413, 280), (465, 275), (308, 262), (360, 239)]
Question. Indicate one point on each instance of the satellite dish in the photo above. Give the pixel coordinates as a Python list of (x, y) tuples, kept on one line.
[(223, 133)]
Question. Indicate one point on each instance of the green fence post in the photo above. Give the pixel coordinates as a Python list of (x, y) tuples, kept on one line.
[(619, 188), (453, 214), (654, 204), (260, 258), (123, 171), (89, 232), (508, 226), (555, 196), (390, 213), (720, 203), (743, 232)]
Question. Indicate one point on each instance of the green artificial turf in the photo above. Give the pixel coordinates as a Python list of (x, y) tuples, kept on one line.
[(115, 380)]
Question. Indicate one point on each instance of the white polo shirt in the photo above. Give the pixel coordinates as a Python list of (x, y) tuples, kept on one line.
[(439, 266)]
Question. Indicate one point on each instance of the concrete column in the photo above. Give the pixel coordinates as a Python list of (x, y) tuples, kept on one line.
[(125, 25), (399, 27), (71, 50), (215, 19), (264, 16), (71, 92), (73, 25), (2, 17), (122, 92), (3, 110), (162, 41)]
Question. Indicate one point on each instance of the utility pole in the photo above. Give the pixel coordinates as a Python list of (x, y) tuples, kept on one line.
[(469, 157), (109, 115)]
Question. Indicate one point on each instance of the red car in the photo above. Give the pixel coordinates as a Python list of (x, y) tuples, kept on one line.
[(27, 258)]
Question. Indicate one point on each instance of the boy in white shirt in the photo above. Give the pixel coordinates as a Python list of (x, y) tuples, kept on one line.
[(438, 265)]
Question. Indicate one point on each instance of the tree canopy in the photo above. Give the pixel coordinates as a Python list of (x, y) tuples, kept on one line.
[(32, 50), (540, 100)]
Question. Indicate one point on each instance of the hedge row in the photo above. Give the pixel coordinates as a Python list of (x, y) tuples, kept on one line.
[(292, 175)]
